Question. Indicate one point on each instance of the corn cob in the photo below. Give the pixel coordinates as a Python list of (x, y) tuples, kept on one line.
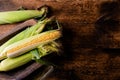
[(30, 43), (31, 31), (12, 63), (18, 16)]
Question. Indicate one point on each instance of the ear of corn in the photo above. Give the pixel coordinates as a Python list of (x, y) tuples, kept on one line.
[(30, 43), (31, 31), (18, 16), (12, 63)]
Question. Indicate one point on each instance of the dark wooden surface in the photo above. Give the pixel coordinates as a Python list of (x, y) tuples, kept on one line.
[(91, 40)]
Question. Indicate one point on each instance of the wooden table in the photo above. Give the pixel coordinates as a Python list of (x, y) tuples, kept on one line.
[(91, 37)]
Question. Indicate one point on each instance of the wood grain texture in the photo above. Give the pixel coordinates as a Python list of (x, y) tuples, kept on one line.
[(91, 37)]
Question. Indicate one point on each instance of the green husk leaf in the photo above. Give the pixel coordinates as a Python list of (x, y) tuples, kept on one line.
[(35, 54)]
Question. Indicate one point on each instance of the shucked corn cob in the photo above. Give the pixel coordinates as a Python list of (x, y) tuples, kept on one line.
[(31, 31), (18, 16), (30, 43)]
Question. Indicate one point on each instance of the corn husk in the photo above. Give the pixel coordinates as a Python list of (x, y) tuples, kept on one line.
[(11, 63), (18, 16)]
